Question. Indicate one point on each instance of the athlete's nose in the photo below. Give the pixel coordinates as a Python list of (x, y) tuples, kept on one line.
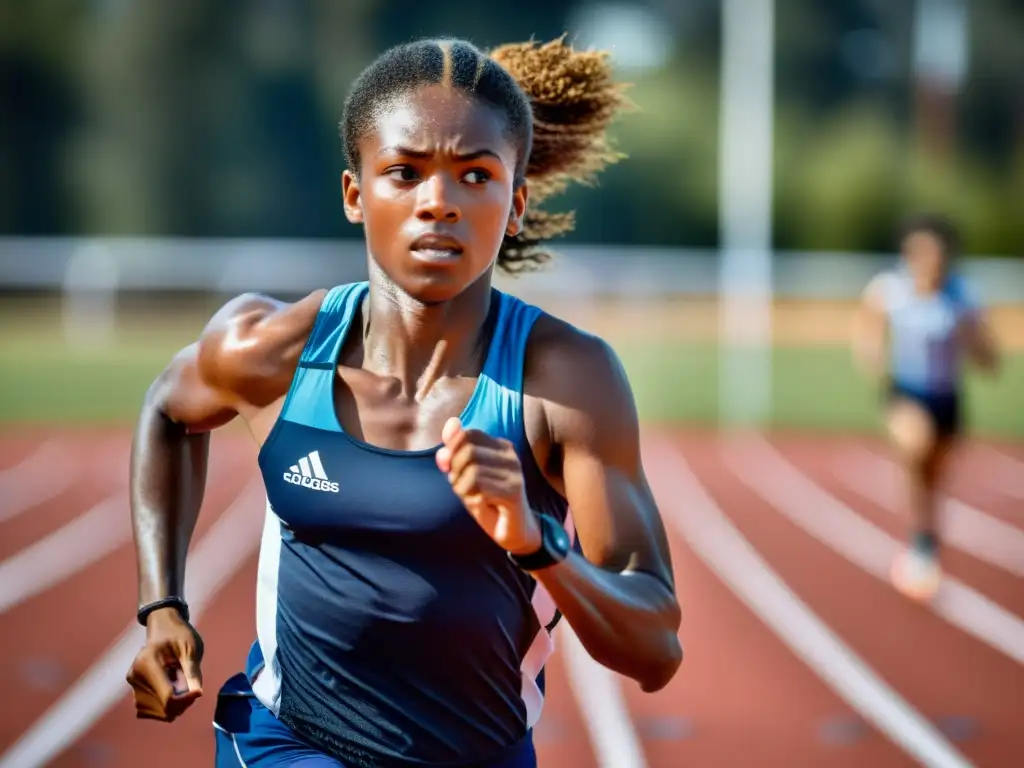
[(435, 199)]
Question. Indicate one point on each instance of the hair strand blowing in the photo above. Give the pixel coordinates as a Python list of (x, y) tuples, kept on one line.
[(574, 99)]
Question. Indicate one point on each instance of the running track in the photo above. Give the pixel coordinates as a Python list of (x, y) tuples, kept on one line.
[(797, 651)]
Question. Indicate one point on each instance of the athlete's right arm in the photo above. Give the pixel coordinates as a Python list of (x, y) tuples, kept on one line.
[(243, 361), (870, 328)]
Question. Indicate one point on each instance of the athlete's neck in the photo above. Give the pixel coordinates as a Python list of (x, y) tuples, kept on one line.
[(418, 343)]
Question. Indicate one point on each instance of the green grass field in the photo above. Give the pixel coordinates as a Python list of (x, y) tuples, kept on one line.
[(813, 388), (45, 381)]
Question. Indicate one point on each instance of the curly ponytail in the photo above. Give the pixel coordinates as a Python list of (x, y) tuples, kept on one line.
[(574, 99)]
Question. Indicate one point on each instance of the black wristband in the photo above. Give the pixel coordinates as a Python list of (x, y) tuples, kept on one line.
[(164, 602)]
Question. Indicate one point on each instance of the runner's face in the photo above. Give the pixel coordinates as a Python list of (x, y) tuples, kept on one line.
[(436, 192), (923, 253)]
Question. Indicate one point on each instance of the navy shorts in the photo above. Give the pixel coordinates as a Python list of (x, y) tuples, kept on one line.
[(942, 407), (248, 735)]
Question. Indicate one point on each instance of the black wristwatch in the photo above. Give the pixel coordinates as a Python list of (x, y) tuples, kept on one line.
[(554, 546)]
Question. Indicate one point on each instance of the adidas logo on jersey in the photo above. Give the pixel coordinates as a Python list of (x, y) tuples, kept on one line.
[(309, 473)]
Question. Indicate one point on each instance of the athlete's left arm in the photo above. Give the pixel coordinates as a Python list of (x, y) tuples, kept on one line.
[(620, 596)]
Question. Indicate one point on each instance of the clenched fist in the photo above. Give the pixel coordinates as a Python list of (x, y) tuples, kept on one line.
[(165, 676), (486, 475)]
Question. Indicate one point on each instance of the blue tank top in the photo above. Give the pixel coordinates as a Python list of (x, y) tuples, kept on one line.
[(925, 353), (391, 630)]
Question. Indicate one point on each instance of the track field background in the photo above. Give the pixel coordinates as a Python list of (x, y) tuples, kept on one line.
[(798, 652)]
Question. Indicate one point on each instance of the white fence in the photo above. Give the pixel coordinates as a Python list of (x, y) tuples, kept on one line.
[(295, 266)]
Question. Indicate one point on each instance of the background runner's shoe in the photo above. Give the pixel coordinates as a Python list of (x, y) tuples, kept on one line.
[(917, 574)]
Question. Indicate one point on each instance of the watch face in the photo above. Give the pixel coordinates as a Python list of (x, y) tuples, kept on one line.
[(560, 538)]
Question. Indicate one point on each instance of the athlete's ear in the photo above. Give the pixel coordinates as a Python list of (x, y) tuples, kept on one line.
[(515, 215), (350, 197)]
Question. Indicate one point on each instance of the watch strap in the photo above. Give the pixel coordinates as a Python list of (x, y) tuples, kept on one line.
[(553, 549)]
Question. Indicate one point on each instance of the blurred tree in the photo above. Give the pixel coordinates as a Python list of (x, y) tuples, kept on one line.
[(214, 119), (206, 121), (485, 24), (151, 76), (39, 109), (665, 192), (992, 106), (833, 191)]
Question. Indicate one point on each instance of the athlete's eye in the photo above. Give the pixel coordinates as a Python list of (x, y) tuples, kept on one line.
[(477, 176), (401, 173)]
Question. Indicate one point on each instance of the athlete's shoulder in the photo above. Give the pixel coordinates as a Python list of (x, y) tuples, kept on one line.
[(253, 334), (561, 355), (582, 387), (575, 366), (244, 358), (252, 305)]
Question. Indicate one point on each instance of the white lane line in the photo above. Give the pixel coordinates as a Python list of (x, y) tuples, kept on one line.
[(965, 527), (217, 556), (44, 474), (85, 540), (759, 466), (598, 693), (1004, 474), (689, 508), (71, 548)]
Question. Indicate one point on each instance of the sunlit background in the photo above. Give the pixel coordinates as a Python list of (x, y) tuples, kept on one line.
[(157, 158)]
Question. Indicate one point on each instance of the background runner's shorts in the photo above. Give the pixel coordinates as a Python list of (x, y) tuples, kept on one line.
[(943, 407)]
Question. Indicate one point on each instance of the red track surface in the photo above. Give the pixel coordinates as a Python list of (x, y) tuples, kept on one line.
[(743, 696)]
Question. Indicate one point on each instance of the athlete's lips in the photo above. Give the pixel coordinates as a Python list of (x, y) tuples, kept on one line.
[(437, 242)]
